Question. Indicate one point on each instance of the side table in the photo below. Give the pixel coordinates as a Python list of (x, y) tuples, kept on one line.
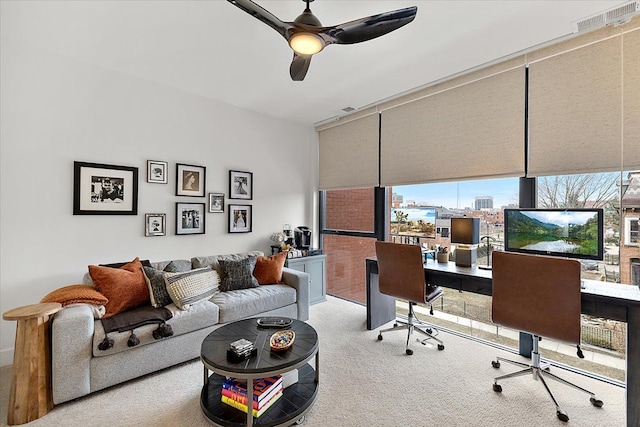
[(30, 397)]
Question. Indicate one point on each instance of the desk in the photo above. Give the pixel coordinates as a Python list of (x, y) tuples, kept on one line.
[(602, 299)]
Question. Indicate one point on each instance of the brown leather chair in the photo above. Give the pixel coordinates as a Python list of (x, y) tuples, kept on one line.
[(401, 275), (539, 295)]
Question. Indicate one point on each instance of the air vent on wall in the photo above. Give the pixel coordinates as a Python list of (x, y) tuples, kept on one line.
[(616, 16)]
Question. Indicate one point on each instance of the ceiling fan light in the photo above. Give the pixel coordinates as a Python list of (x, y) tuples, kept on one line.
[(306, 43)]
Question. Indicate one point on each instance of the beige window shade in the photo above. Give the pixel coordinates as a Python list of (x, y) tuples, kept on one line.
[(631, 84), (575, 110), (348, 154), (474, 129)]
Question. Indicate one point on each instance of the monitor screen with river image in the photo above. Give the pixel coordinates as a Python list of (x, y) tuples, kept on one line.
[(570, 233)]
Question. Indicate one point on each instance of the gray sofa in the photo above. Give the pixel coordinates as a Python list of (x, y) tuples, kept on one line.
[(80, 368)]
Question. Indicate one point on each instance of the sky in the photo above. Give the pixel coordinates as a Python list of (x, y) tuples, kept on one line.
[(461, 194)]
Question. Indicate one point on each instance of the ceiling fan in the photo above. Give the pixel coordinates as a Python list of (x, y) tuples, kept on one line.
[(306, 35)]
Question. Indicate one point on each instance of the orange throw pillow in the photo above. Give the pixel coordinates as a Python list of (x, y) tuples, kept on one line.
[(269, 269), (124, 287), (73, 294)]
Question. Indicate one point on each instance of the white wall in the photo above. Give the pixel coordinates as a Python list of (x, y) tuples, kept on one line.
[(54, 110)]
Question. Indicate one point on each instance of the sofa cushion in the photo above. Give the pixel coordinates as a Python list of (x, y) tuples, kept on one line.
[(213, 260), (73, 294), (269, 269), (196, 317), (240, 304), (190, 287), (182, 265), (124, 287), (178, 266), (237, 274)]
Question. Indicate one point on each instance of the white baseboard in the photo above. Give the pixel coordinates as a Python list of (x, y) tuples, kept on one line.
[(6, 357)]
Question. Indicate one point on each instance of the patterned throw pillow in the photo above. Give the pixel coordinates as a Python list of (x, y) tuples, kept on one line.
[(190, 287), (238, 274), (157, 287)]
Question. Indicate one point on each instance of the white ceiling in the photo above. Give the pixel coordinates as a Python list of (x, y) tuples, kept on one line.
[(213, 49)]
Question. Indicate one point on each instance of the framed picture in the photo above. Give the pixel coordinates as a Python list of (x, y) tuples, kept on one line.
[(216, 202), (157, 172), (240, 185), (190, 218), (100, 189), (190, 180), (155, 224), (240, 218)]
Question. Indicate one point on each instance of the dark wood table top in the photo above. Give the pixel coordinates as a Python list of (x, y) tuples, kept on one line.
[(265, 362)]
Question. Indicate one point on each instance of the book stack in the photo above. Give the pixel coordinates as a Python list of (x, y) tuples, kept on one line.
[(266, 391)]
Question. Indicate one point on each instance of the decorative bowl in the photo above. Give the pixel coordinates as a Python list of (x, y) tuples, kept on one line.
[(282, 340)]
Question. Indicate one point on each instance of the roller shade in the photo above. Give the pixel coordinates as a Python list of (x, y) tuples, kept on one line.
[(631, 84), (466, 128), (575, 110), (348, 153)]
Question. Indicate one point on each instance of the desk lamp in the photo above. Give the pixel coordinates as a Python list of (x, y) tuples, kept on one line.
[(466, 233)]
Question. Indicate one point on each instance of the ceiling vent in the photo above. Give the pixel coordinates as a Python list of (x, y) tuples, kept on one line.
[(616, 16), (348, 109)]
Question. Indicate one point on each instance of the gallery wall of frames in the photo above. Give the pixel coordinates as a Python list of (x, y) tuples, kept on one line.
[(101, 189)]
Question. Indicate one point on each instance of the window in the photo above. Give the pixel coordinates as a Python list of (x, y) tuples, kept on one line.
[(632, 231)]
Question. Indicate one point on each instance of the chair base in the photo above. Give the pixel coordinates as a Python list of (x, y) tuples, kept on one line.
[(410, 326), (540, 371)]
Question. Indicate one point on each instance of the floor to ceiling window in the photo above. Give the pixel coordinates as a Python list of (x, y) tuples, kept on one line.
[(424, 212)]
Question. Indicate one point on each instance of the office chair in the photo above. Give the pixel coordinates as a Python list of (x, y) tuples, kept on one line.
[(401, 275), (539, 295)]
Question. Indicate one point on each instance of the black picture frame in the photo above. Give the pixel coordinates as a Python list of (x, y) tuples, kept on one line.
[(240, 185), (190, 180), (240, 218), (190, 218), (101, 189), (216, 202), (157, 172)]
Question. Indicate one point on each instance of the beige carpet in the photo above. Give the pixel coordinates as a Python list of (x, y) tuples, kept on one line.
[(363, 382)]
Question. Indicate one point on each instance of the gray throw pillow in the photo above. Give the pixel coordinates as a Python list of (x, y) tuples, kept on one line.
[(238, 274), (157, 288)]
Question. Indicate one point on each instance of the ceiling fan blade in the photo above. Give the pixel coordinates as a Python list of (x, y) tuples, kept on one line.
[(263, 15), (299, 66), (371, 27)]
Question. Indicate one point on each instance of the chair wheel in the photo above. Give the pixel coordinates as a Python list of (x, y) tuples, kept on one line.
[(440, 346), (300, 420), (429, 330), (379, 337), (562, 416), (495, 364), (497, 388), (395, 325), (409, 352), (596, 402)]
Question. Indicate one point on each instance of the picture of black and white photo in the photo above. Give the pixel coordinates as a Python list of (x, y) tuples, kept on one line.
[(240, 185), (100, 189), (216, 202), (190, 218), (105, 189), (190, 180), (157, 172), (240, 218), (155, 224)]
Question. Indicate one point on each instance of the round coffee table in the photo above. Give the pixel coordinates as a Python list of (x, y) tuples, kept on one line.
[(296, 399)]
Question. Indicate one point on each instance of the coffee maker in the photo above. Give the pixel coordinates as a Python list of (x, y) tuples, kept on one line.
[(302, 237)]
